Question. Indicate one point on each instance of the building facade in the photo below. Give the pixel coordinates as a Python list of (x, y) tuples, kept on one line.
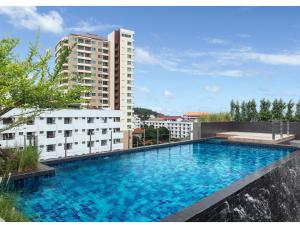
[(194, 116), (106, 66), (88, 60), (66, 132), (180, 129), (137, 122)]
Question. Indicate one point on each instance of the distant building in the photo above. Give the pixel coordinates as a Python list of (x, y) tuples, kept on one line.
[(179, 128), (193, 116), (66, 132), (106, 65), (137, 122)]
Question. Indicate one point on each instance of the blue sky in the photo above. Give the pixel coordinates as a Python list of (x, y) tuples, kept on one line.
[(187, 58)]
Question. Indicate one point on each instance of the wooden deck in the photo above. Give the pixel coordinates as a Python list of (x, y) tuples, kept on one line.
[(260, 138)]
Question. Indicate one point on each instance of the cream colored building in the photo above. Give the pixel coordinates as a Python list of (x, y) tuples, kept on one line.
[(107, 66), (90, 60), (121, 75)]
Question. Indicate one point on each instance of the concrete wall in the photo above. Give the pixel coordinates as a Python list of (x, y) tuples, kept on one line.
[(209, 129)]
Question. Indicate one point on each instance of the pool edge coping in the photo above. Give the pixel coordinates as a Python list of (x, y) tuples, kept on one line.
[(118, 152), (188, 213)]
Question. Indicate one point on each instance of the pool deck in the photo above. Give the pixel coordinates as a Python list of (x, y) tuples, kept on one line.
[(259, 138), (42, 170)]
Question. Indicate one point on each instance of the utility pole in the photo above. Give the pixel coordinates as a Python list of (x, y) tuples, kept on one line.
[(144, 136), (281, 132), (90, 142), (24, 141), (65, 146), (111, 140)]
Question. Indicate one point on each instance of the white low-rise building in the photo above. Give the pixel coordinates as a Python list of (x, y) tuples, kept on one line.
[(179, 128), (137, 122), (66, 132)]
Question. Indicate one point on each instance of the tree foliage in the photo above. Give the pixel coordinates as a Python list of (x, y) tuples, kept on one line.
[(144, 114), (289, 111), (297, 113), (30, 84), (151, 134), (278, 107), (277, 110), (265, 113), (215, 117)]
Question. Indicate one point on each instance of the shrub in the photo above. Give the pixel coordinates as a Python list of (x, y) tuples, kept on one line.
[(216, 117), (14, 160)]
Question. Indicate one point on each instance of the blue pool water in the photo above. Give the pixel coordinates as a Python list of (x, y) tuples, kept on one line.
[(142, 186)]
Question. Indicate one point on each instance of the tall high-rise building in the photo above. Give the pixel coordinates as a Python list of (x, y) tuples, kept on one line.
[(89, 59), (106, 66)]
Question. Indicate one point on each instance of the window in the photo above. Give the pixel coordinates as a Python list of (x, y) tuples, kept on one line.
[(7, 120), (117, 141), (116, 130), (90, 132), (50, 134), (103, 142), (90, 144), (117, 119), (50, 148), (50, 120), (68, 146), (8, 136), (104, 131), (30, 135), (30, 122), (67, 133), (90, 120), (67, 120)]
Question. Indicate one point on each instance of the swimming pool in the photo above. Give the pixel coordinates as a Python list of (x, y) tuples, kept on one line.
[(142, 186)]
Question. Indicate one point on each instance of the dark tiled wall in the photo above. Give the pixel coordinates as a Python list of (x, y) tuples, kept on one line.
[(273, 197)]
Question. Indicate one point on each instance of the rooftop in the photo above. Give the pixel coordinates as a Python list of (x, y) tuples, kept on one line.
[(196, 113)]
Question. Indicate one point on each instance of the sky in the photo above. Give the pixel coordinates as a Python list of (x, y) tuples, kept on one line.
[(186, 58)]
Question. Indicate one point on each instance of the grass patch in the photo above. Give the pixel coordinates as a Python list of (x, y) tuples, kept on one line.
[(8, 212)]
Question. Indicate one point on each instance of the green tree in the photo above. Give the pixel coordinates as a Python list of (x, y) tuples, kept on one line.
[(289, 112), (248, 111), (253, 111), (297, 113), (265, 113), (163, 134), (278, 107), (30, 84), (232, 109), (237, 115), (243, 111)]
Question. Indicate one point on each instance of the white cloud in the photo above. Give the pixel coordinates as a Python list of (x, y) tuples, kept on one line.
[(216, 41), (168, 94), (144, 57), (144, 90), (212, 88), (84, 26), (29, 18), (52, 22), (231, 73), (244, 35)]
